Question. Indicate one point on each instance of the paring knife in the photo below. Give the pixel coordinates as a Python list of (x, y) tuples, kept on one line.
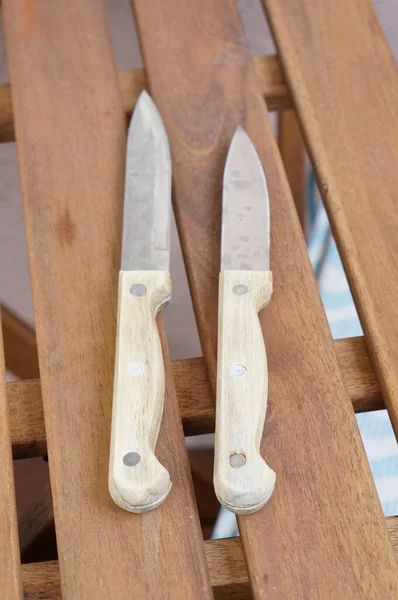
[(243, 481), (137, 480)]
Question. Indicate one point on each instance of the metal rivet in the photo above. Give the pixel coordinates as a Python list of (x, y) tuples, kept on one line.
[(238, 370), (131, 459), (240, 289), (134, 369), (138, 290), (237, 460)]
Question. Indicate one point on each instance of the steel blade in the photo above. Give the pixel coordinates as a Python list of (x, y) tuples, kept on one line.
[(147, 195), (245, 232)]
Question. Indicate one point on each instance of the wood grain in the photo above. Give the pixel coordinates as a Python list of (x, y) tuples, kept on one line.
[(133, 81), (193, 391), (36, 528), (311, 439), (7, 133), (291, 147), (226, 565), (70, 129), (351, 128), (243, 481), (28, 434), (20, 351), (358, 374), (10, 567), (141, 483)]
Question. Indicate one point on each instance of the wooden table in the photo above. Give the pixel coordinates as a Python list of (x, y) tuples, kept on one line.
[(323, 535)]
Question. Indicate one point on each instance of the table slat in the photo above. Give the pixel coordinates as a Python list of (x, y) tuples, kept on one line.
[(203, 80), (20, 350), (133, 81), (193, 392), (344, 80), (10, 567), (226, 565), (70, 130)]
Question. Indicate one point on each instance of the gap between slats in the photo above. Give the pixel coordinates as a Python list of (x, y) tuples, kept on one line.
[(196, 406)]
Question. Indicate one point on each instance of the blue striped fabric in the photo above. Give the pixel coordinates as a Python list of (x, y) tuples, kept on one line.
[(377, 434)]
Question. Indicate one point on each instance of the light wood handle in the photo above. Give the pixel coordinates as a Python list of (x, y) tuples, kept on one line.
[(242, 479), (137, 480)]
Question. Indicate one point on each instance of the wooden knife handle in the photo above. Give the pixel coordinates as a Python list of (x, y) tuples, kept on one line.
[(137, 480), (242, 479)]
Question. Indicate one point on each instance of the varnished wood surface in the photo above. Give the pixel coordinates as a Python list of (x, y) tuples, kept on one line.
[(358, 374), (133, 81), (7, 133), (345, 83), (70, 130), (324, 485), (226, 565), (20, 350), (193, 392), (36, 528), (10, 568), (291, 147)]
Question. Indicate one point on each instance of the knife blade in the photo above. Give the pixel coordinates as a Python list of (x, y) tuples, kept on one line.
[(243, 481), (137, 481)]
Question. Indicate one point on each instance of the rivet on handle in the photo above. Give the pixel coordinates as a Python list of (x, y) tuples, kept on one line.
[(240, 289), (131, 459), (138, 289), (238, 370), (237, 460)]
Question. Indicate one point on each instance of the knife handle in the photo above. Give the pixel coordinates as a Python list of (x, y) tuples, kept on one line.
[(137, 480), (242, 479)]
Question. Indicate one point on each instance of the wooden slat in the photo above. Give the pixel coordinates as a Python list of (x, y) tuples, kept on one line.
[(291, 147), (10, 568), (36, 528), (133, 81), (70, 130), (324, 486), (28, 433), (358, 374), (20, 350), (344, 80), (225, 559), (7, 133), (194, 397), (271, 82)]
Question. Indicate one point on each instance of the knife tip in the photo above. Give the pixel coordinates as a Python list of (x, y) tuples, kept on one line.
[(143, 99)]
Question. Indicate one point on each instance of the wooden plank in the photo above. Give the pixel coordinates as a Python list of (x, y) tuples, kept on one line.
[(358, 374), (225, 559), (133, 81), (70, 129), (324, 485), (7, 133), (291, 147), (28, 434), (36, 529), (10, 566), (351, 128), (194, 397), (392, 526), (20, 349)]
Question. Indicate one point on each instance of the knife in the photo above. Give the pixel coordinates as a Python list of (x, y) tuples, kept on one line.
[(242, 479), (137, 480)]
